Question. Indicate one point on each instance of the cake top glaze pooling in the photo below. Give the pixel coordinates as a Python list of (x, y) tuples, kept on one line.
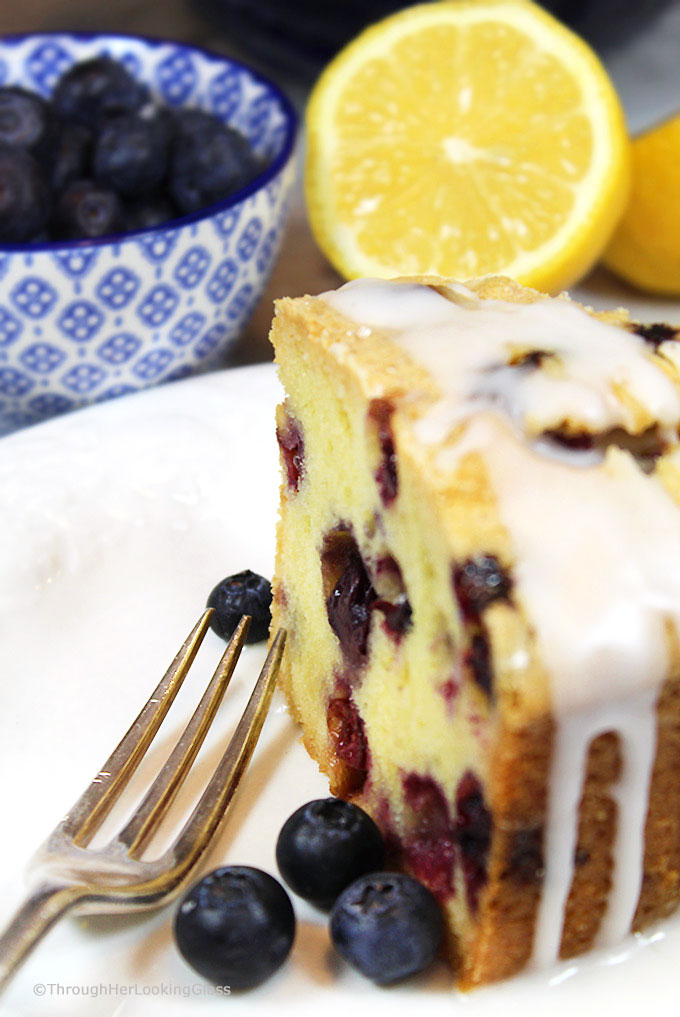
[(595, 375), (597, 540)]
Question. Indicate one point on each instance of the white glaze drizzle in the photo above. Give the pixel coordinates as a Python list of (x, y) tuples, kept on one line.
[(580, 383), (597, 541), (634, 720), (636, 727)]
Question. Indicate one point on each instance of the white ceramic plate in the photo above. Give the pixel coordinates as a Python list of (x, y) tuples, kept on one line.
[(116, 523)]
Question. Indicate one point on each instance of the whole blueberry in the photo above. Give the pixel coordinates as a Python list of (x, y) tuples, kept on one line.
[(26, 120), (25, 202), (95, 90), (85, 210), (236, 927), (131, 153), (71, 156), (149, 212), (387, 925), (243, 593), (209, 161), (324, 846)]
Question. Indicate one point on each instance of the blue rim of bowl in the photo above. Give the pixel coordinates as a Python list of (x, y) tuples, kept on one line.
[(113, 239)]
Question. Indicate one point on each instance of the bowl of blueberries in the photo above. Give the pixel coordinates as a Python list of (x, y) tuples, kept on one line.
[(144, 187)]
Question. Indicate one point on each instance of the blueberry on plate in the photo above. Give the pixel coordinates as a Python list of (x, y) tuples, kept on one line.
[(236, 926), (324, 846), (26, 120), (388, 926), (25, 203), (95, 90), (85, 210), (71, 157), (131, 153), (243, 593), (209, 161)]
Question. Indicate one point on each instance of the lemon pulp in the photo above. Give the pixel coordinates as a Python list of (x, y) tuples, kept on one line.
[(463, 138)]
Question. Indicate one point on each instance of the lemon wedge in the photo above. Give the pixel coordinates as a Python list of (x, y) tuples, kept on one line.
[(645, 249), (463, 138)]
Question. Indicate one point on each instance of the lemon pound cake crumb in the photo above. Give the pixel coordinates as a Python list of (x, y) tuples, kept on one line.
[(478, 566)]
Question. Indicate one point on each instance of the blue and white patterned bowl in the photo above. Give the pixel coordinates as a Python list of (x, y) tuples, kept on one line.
[(89, 320)]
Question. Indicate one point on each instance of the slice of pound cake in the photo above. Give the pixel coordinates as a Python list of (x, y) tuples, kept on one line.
[(479, 570)]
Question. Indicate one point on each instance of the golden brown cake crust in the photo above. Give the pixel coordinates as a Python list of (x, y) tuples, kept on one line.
[(505, 931)]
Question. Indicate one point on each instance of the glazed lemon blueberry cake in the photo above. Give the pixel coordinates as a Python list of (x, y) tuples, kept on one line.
[(479, 570)]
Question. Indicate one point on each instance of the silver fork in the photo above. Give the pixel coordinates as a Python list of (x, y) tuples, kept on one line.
[(69, 876)]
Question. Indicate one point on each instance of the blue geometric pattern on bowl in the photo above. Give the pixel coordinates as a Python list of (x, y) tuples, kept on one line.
[(81, 322)]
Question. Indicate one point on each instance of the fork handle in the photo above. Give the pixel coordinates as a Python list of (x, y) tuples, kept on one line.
[(36, 916)]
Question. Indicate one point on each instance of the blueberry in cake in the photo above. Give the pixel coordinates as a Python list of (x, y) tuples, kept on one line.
[(478, 566)]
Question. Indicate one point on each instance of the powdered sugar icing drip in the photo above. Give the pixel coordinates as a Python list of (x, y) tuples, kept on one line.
[(597, 541)]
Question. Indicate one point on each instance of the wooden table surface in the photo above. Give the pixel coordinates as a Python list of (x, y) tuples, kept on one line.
[(171, 18)]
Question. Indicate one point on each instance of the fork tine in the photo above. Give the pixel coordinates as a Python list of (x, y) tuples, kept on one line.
[(160, 796), (89, 812), (203, 822)]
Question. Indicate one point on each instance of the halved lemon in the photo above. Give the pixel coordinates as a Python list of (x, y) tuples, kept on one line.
[(463, 138), (645, 249)]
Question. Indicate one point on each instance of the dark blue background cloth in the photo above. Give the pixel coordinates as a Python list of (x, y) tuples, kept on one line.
[(300, 36)]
